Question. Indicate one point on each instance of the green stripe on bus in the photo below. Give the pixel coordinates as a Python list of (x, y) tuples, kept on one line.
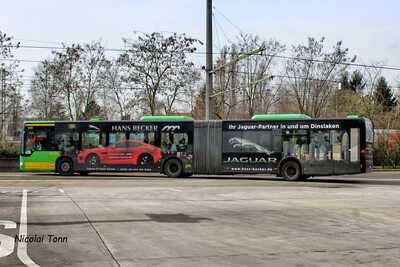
[(166, 118), (280, 117)]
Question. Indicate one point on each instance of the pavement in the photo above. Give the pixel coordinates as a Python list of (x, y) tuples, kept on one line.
[(147, 220)]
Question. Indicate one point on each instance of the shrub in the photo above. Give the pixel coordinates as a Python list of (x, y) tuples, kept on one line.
[(9, 149)]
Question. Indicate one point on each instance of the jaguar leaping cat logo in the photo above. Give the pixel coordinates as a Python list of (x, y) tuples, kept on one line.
[(93, 128)]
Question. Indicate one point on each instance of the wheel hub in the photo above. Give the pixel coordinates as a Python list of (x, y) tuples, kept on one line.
[(173, 168), (65, 167), (291, 171)]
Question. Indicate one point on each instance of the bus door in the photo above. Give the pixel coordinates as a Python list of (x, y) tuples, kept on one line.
[(346, 150), (39, 149), (320, 161)]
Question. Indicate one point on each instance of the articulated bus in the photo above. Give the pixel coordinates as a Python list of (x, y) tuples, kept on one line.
[(293, 146)]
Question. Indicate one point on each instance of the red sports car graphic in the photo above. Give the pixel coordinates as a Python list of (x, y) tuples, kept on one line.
[(136, 153)]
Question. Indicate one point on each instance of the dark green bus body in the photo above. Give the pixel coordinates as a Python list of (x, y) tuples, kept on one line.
[(261, 145)]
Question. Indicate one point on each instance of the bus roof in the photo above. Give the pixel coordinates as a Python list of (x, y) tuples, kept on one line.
[(280, 117), (354, 117), (166, 118)]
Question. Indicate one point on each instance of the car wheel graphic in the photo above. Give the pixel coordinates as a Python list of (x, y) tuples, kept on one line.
[(145, 160), (92, 161)]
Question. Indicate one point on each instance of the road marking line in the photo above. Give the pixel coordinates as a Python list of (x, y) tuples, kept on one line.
[(61, 191), (23, 230), (175, 190), (8, 224), (7, 242)]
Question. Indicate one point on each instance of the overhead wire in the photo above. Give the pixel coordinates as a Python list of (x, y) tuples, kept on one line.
[(218, 25), (228, 20), (216, 32), (383, 67)]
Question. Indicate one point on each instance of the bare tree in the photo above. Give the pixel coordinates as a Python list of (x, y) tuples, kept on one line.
[(257, 73), (10, 83), (93, 62), (120, 93), (313, 74), (159, 67), (226, 83), (78, 71), (245, 83), (46, 100)]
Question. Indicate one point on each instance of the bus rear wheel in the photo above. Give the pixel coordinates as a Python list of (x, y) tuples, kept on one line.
[(291, 171), (65, 167), (173, 168)]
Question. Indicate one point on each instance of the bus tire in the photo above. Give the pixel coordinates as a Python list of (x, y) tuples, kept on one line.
[(291, 171), (173, 168), (65, 167)]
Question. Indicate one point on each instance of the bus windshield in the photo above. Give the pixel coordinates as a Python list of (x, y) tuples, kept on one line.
[(38, 139)]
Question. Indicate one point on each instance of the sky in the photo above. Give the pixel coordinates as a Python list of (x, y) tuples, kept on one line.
[(368, 28)]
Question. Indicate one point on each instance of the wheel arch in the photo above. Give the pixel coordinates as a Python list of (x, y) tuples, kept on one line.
[(163, 161), (64, 158), (61, 158), (289, 159)]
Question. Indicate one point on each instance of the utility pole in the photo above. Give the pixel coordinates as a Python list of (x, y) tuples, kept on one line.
[(209, 64), (2, 100)]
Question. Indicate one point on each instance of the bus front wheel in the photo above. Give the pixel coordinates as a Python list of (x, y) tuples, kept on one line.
[(173, 168), (291, 171), (65, 167)]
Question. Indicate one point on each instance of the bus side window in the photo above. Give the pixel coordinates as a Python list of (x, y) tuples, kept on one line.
[(320, 145), (115, 138), (67, 142), (345, 146), (340, 145), (295, 143), (147, 137), (175, 142), (336, 141), (90, 140), (355, 144)]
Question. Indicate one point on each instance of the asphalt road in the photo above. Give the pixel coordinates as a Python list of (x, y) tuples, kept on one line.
[(134, 220)]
